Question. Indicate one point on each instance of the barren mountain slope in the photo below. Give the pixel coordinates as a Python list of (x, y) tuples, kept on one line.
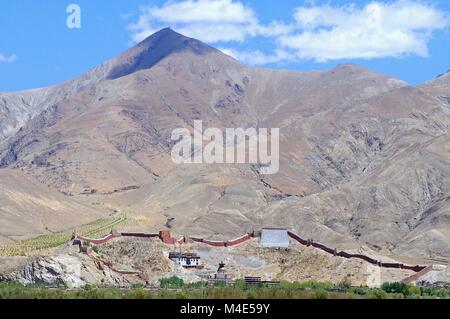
[(29, 209), (128, 119), (16, 109), (439, 87), (364, 158)]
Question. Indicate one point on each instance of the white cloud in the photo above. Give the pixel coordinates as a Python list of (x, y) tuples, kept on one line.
[(207, 20), (257, 57), (7, 59), (318, 32), (210, 11), (379, 29)]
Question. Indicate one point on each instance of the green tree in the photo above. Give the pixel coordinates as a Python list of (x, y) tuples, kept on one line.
[(172, 282)]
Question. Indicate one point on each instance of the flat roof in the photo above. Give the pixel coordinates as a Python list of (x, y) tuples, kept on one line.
[(274, 237)]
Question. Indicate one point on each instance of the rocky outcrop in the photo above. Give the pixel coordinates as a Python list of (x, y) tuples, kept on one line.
[(66, 270)]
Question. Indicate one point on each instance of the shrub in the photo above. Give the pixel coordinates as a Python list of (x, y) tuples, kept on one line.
[(172, 282), (412, 290), (88, 287), (320, 294), (220, 283), (316, 285), (361, 290), (240, 283), (139, 294), (197, 284), (137, 286), (377, 294), (183, 295), (225, 293), (401, 288), (286, 284), (395, 287), (345, 284)]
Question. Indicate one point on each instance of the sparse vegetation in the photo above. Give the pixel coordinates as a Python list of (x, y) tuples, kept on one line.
[(172, 282), (98, 228), (346, 283), (406, 290), (175, 288)]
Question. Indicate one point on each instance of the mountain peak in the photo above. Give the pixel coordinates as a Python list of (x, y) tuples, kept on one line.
[(165, 34), (442, 79), (444, 75), (153, 49)]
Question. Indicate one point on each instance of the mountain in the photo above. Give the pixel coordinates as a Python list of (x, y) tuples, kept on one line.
[(29, 209), (439, 87), (364, 158)]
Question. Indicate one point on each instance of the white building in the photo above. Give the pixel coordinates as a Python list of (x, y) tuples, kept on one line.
[(185, 260)]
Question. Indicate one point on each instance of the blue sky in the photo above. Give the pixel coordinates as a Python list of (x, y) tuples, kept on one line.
[(408, 39)]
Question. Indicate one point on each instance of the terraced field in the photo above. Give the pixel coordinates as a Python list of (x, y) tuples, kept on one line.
[(95, 229)]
